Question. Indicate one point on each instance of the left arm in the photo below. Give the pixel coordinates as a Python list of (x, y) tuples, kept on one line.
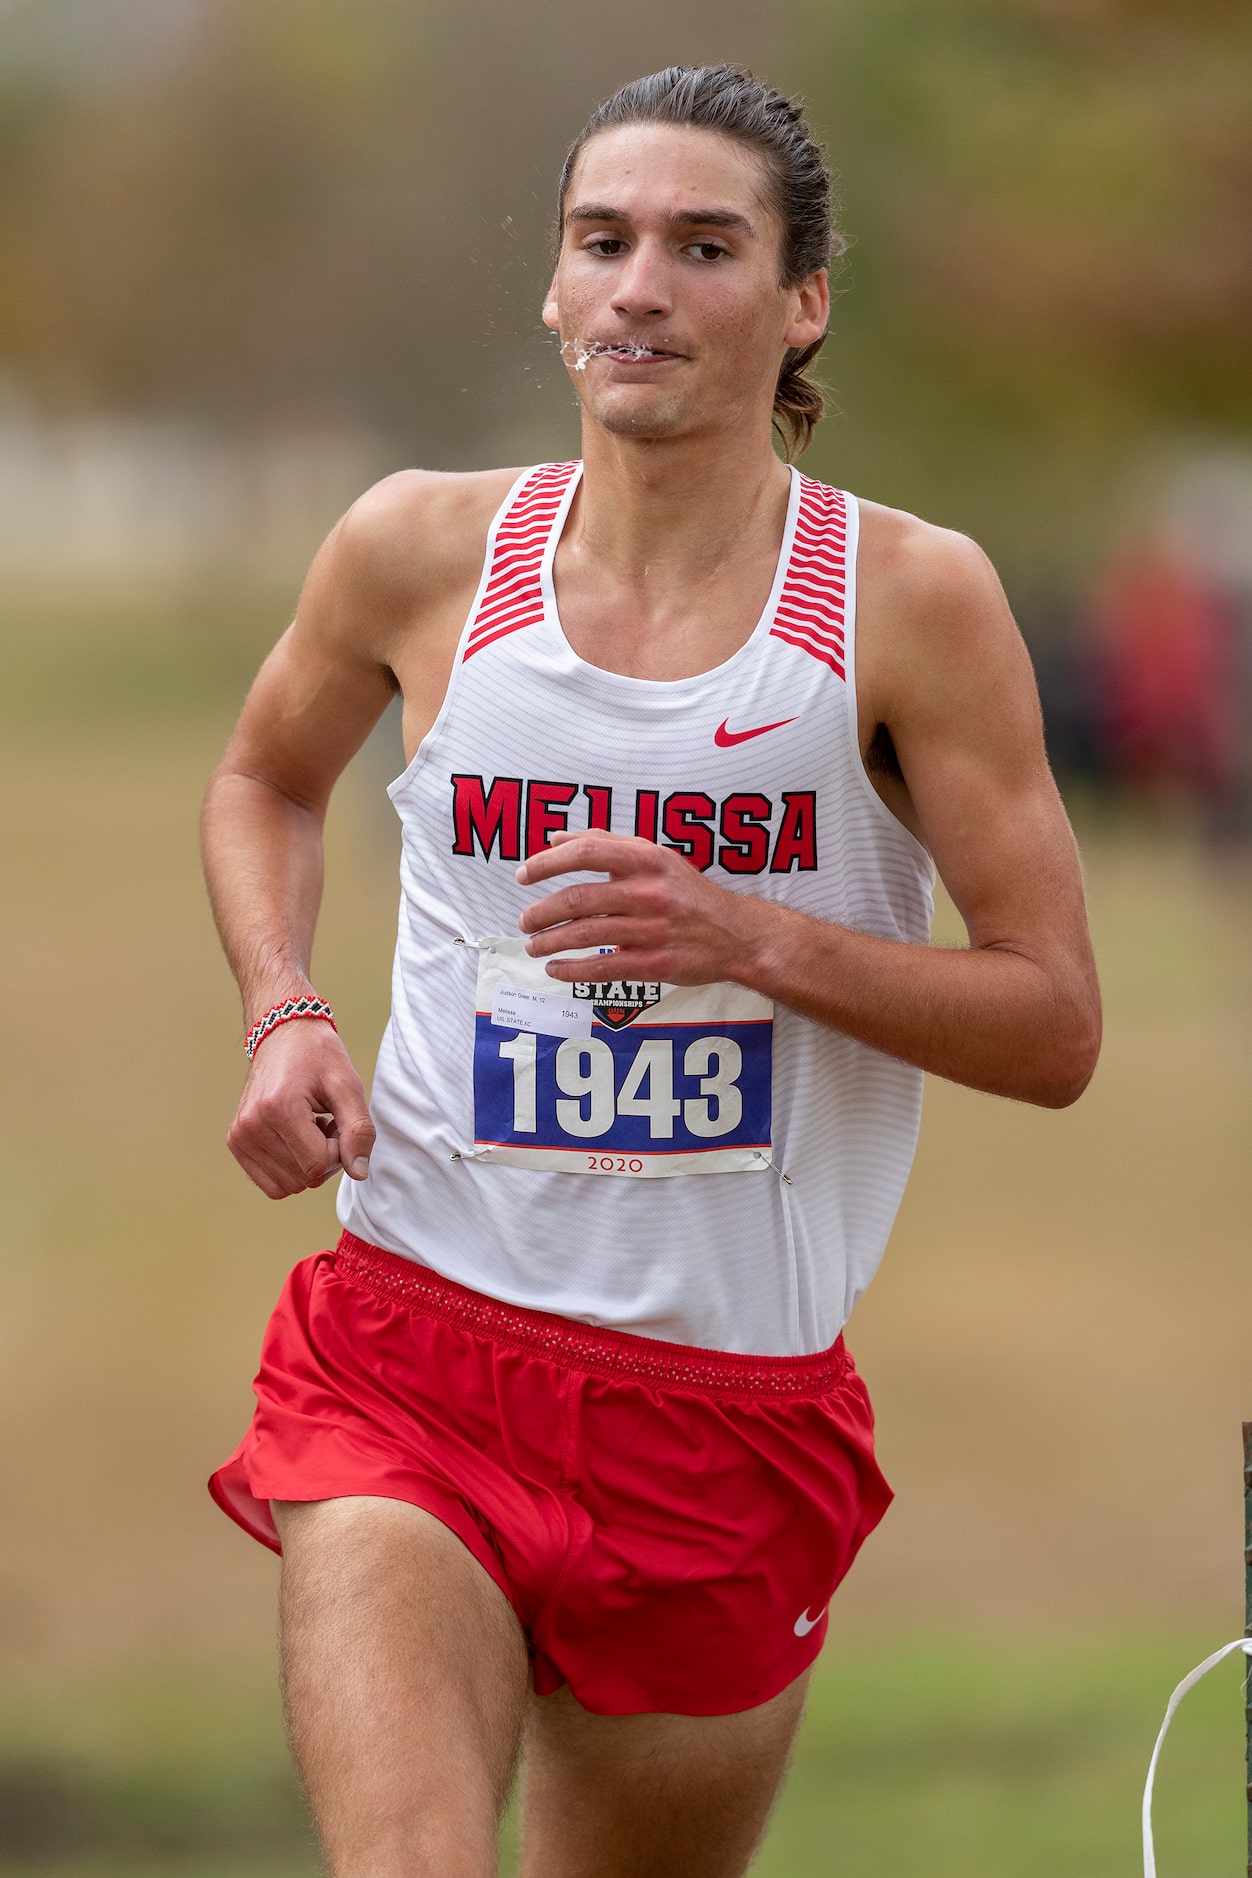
[(1017, 1013)]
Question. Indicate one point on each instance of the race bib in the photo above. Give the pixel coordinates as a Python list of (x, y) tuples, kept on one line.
[(612, 1076)]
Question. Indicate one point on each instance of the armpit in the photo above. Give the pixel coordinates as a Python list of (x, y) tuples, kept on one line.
[(880, 755)]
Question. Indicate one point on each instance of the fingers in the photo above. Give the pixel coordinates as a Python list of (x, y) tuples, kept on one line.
[(270, 1173), (587, 900), (354, 1130), (627, 963), (661, 918), (623, 935), (594, 851), (303, 1115), (259, 1174), (279, 1147)]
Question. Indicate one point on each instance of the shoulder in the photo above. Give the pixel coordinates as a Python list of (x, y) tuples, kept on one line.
[(417, 533), (408, 550), (920, 572), (929, 601), (935, 637), (935, 633)]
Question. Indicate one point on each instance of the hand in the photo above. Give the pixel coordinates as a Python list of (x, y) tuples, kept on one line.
[(303, 1112), (666, 921)]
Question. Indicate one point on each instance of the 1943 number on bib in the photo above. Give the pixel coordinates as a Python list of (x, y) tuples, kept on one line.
[(682, 1084)]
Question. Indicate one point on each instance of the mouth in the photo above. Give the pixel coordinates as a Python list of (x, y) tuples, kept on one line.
[(578, 353)]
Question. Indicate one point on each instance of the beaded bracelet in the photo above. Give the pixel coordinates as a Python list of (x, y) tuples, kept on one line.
[(283, 1014)]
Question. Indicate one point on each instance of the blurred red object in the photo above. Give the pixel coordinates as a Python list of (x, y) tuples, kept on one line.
[(1169, 677)]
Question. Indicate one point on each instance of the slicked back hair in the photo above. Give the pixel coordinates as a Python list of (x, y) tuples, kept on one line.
[(730, 101)]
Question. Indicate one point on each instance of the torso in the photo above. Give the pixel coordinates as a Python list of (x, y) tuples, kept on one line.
[(555, 718)]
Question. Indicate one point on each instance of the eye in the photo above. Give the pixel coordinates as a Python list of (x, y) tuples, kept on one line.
[(607, 246), (709, 250)]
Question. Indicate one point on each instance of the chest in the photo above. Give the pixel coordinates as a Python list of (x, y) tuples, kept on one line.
[(658, 628)]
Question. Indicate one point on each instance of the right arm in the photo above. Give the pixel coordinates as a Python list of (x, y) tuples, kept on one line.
[(321, 690)]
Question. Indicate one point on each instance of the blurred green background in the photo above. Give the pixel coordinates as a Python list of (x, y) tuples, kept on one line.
[(254, 253)]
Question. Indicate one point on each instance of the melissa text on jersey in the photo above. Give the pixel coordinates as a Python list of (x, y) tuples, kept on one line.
[(746, 832)]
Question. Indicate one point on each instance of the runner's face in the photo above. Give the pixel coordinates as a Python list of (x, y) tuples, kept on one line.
[(666, 294)]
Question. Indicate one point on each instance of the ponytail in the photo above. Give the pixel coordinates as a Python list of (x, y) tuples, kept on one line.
[(799, 401)]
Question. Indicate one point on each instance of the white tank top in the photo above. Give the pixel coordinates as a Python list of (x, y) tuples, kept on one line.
[(697, 1165)]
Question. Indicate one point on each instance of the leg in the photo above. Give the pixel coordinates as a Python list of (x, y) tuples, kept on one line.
[(404, 1679), (651, 1796)]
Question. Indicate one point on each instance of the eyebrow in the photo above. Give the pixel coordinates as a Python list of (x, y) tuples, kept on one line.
[(686, 218)]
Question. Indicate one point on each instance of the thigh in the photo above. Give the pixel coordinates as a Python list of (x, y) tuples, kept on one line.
[(404, 1678), (651, 1796)]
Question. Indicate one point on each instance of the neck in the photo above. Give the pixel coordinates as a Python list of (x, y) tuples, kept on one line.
[(650, 507)]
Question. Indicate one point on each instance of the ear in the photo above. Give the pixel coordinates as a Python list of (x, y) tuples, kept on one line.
[(551, 314), (810, 311)]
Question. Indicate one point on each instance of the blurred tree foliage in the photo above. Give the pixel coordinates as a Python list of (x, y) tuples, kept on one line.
[(328, 208), (339, 208), (1051, 274)]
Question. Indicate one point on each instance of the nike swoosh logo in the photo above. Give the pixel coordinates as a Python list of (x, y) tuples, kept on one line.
[(805, 1623), (727, 739)]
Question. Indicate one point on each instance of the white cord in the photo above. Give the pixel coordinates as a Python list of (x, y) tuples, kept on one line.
[(1188, 1682)]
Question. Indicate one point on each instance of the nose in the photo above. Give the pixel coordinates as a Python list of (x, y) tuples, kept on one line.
[(642, 288)]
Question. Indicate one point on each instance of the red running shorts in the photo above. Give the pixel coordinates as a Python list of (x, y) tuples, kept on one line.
[(667, 1523)]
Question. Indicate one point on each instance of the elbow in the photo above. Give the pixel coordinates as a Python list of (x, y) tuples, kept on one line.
[(1069, 1063), (234, 778), (213, 788), (208, 805), (215, 804)]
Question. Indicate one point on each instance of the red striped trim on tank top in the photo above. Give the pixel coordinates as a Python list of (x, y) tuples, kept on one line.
[(809, 613), (513, 595)]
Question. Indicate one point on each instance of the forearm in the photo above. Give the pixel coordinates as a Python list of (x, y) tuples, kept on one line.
[(263, 863), (988, 1017)]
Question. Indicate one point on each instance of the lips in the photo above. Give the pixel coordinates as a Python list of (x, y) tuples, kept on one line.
[(631, 352)]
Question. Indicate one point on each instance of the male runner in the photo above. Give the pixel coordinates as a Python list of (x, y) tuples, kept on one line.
[(562, 1440)]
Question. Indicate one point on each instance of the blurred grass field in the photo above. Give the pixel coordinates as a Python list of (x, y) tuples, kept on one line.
[(1057, 1345), (952, 1754)]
